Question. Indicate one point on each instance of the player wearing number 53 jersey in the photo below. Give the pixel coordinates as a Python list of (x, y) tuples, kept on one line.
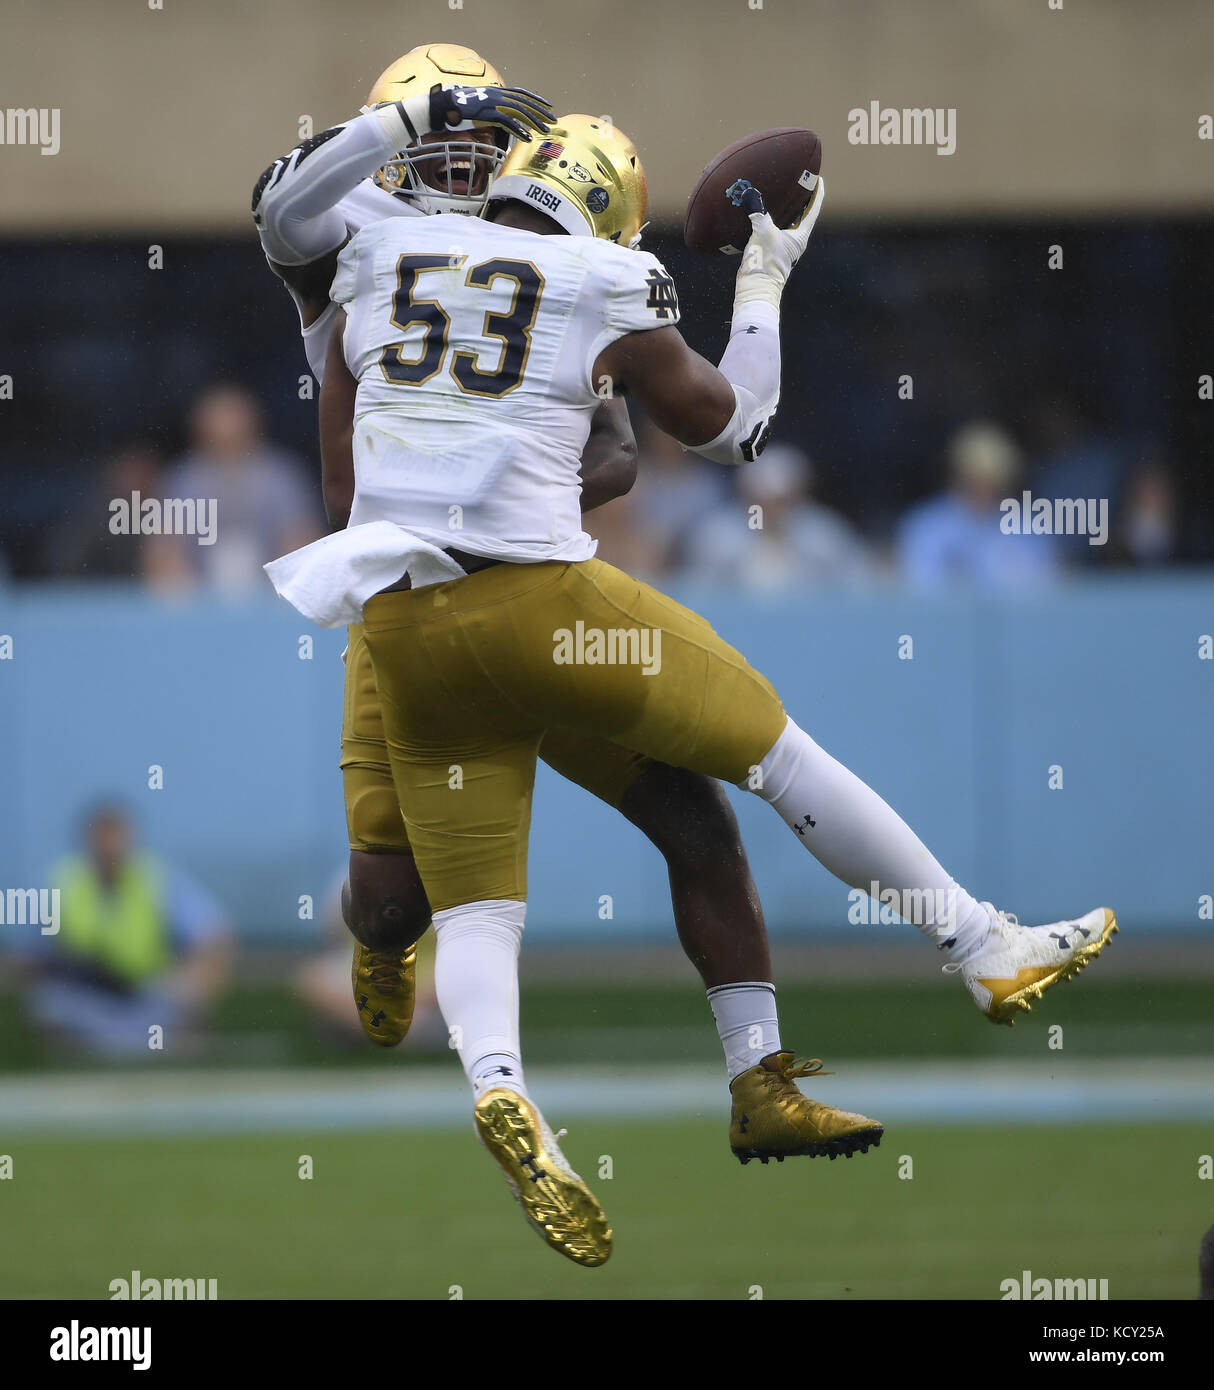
[(407, 156), (474, 669)]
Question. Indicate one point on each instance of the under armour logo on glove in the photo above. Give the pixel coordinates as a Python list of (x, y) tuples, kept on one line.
[(514, 109)]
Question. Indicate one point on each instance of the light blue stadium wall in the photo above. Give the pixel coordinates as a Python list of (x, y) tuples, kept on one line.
[(1103, 679)]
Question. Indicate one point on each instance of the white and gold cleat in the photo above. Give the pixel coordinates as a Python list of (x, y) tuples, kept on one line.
[(557, 1203), (1016, 965)]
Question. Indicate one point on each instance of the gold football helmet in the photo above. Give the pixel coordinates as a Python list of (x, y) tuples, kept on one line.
[(585, 174), (440, 174)]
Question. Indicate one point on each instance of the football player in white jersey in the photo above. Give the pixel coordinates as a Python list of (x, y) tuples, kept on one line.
[(307, 205), (465, 377)]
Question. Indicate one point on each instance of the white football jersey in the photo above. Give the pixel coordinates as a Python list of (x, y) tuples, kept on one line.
[(474, 347)]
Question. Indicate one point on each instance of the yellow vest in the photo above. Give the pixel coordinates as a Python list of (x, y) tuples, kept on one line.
[(123, 929)]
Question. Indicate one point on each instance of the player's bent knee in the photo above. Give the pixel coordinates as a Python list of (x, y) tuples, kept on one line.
[(386, 907)]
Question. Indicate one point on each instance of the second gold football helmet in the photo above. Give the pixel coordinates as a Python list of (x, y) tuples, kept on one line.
[(440, 175), (586, 175)]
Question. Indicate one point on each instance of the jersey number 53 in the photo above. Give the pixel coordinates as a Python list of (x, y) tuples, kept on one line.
[(512, 328)]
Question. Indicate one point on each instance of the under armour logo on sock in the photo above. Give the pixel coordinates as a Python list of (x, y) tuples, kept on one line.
[(807, 823), (499, 1071)]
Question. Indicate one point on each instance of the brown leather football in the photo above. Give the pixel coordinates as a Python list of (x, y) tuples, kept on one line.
[(782, 164)]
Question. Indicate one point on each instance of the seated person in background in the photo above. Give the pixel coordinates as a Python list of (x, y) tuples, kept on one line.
[(139, 944), (774, 535), (82, 546), (955, 538)]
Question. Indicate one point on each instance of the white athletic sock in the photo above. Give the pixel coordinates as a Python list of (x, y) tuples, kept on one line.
[(747, 1022), (476, 981), (848, 828)]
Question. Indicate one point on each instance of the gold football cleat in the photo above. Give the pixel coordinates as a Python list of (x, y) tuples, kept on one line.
[(772, 1119), (385, 987), (557, 1203)]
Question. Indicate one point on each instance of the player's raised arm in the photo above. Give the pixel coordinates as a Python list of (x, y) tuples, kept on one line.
[(295, 199), (725, 412)]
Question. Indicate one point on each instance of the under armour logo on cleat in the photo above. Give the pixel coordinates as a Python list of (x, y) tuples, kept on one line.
[(529, 1161), (376, 1018), (1061, 938)]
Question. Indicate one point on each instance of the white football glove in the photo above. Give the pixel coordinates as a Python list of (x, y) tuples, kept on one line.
[(771, 252)]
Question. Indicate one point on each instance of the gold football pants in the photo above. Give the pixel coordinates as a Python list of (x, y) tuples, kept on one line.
[(373, 818), (474, 674)]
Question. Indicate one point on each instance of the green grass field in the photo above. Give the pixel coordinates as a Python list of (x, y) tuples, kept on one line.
[(409, 1215)]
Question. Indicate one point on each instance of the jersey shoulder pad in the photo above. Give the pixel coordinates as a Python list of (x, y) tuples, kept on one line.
[(641, 292)]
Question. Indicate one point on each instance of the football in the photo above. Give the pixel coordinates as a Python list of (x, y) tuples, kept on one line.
[(782, 164)]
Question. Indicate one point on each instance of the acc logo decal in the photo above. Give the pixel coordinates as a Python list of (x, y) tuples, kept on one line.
[(597, 200)]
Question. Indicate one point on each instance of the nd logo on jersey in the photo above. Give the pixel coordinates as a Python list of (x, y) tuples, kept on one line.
[(662, 297)]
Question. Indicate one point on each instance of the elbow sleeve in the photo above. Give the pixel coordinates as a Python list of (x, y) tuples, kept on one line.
[(745, 436)]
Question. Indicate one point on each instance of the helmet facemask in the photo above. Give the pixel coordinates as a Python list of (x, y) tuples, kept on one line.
[(446, 175)]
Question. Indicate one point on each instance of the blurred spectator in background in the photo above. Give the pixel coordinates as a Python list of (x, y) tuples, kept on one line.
[(774, 535), (956, 538), (1148, 529), (139, 944), (264, 505), (1074, 460), (674, 492), (83, 546)]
